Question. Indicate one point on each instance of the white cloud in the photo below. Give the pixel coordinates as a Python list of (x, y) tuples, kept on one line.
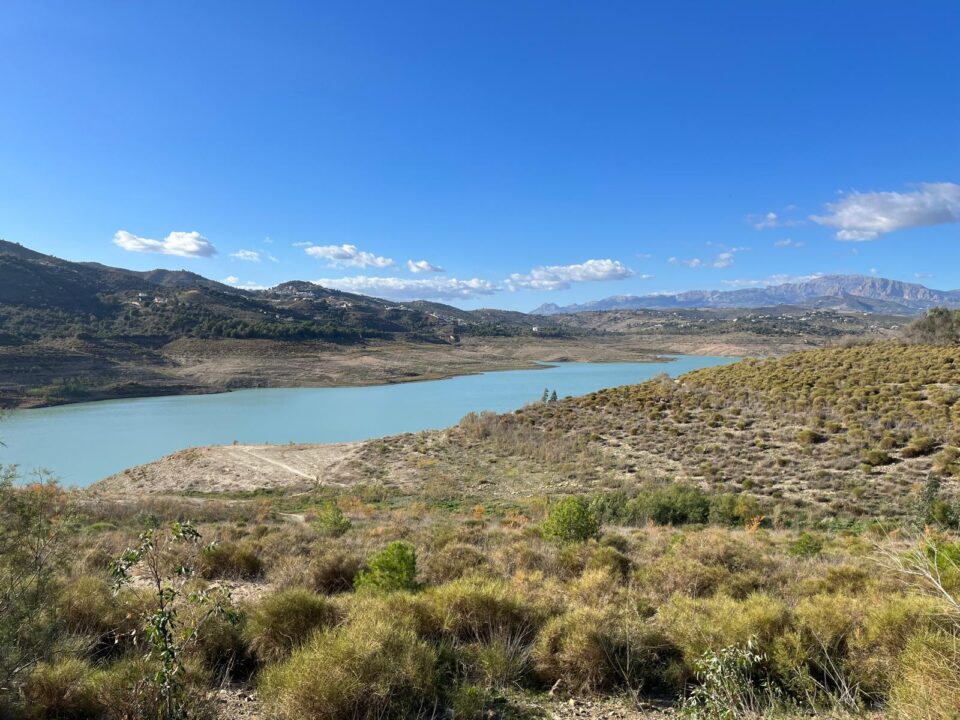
[(788, 243), (348, 256), (692, 262), (773, 220), (422, 266), (182, 244), (242, 284), (770, 220), (724, 259), (778, 279), (412, 289), (248, 255), (924, 275), (302, 244), (560, 277), (721, 260), (866, 216)]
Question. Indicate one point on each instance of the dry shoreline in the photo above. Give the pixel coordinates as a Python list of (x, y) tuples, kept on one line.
[(190, 367)]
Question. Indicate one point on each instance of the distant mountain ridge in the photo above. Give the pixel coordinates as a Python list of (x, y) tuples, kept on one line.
[(861, 293)]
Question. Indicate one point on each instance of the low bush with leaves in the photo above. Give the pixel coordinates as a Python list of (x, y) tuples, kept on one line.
[(393, 568), (571, 520)]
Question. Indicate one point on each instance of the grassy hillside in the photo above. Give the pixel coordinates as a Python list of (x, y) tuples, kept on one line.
[(841, 433)]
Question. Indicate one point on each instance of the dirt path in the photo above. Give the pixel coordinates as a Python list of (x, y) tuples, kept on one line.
[(238, 468), (245, 450)]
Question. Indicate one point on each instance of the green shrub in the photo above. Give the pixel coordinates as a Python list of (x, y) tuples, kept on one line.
[(372, 668), (331, 521), (806, 545), (498, 663), (220, 648), (734, 682), (734, 509), (31, 547), (393, 568), (228, 560), (470, 701), (286, 620), (608, 558), (126, 690), (571, 520), (888, 627), (672, 505)]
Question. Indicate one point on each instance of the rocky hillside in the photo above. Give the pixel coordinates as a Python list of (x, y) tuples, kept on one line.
[(840, 292)]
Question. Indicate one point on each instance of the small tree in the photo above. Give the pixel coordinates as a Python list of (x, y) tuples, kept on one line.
[(166, 634), (571, 520), (393, 568), (331, 521)]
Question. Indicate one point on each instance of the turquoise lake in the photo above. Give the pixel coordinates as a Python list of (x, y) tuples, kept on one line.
[(83, 443)]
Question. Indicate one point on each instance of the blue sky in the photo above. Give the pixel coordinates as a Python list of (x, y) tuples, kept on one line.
[(515, 153)]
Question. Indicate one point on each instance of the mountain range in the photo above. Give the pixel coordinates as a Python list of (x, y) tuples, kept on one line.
[(43, 297), (859, 293)]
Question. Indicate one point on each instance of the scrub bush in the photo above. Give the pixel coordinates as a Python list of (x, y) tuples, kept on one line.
[(589, 649), (454, 561), (284, 621), (62, 690), (700, 625), (333, 571), (375, 667), (228, 560), (926, 685)]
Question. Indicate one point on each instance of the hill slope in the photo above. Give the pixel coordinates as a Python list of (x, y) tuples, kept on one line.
[(82, 331)]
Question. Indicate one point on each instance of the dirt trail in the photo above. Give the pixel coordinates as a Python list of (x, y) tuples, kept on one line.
[(247, 451)]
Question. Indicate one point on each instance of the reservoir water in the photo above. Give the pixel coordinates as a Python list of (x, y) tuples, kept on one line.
[(86, 442)]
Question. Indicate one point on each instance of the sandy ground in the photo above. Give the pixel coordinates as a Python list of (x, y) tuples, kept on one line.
[(232, 364), (236, 468)]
